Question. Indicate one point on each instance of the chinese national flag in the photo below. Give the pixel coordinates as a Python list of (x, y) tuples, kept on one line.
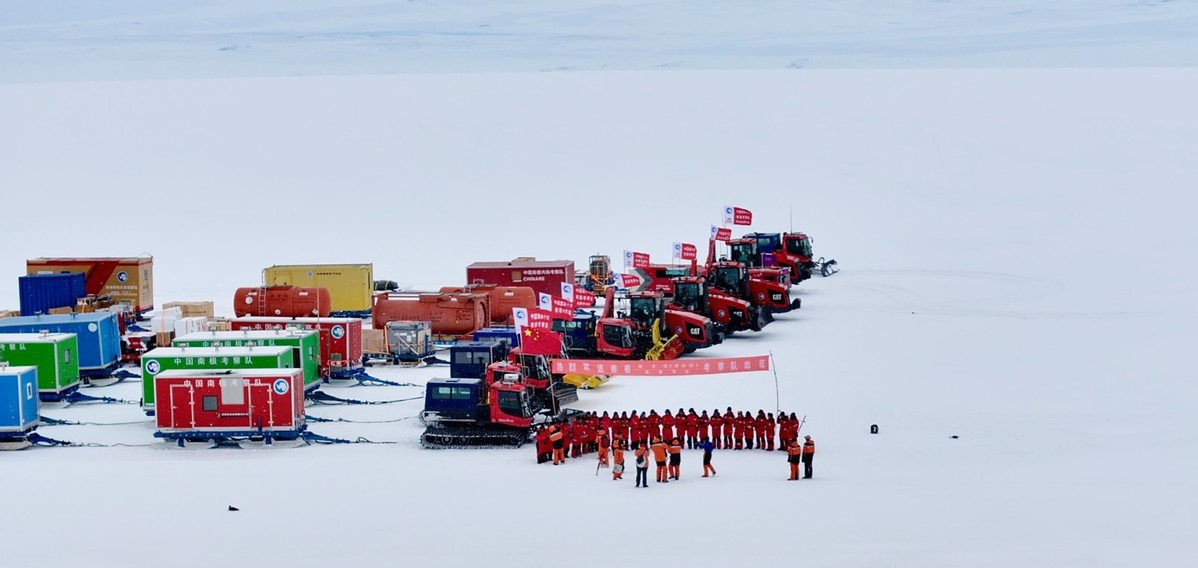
[(538, 341)]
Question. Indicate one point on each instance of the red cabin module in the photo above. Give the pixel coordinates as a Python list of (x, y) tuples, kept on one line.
[(543, 276), (219, 405), (447, 313), (282, 301), (340, 340)]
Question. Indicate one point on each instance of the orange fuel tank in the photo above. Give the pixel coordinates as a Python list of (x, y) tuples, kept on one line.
[(282, 301), (503, 299), (449, 313)]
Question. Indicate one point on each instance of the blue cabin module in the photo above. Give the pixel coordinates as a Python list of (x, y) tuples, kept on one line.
[(454, 400), (505, 333), (18, 401), (469, 359), (99, 337), (41, 293)]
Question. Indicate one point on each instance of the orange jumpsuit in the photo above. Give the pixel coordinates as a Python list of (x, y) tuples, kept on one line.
[(617, 454), (675, 458), (601, 441), (659, 456), (559, 452), (793, 454)]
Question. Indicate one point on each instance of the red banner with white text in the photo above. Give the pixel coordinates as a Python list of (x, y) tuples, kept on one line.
[(662, 368)]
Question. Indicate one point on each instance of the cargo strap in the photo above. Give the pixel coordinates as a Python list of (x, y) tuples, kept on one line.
[(49, 421), (80, 398), (311, 418), (314, 438), (320, 397)]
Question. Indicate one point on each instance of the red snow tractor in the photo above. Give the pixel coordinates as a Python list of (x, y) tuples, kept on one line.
[(789, 250)]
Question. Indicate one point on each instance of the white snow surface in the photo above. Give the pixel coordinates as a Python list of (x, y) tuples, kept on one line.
[(1014, 243)]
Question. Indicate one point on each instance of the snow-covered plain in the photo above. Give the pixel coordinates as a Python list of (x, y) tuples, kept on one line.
[(1015, 246)]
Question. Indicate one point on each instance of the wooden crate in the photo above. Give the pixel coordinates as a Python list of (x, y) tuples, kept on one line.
[(192, 309)]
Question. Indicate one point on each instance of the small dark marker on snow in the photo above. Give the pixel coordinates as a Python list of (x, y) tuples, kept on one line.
[(232, 508), (954, 436)]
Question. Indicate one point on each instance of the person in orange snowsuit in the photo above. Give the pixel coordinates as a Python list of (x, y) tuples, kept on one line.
[(675, 458), (717, 433), (602, 442), (659, 455), (617, 456), (667, 426), (556, 438), (793, 454), (808, 456)]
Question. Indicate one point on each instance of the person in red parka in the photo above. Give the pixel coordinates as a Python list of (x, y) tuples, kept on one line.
[(544, 449), (770, 429), (605, 424), (729, 428), (667, 426), (619, 427), (578, 436), (704, 431), (747, 429), (692, 429), (717, 429), (652, 424), (759, 428)]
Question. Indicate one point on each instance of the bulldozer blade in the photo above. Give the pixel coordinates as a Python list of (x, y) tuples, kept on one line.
[(828, 268)]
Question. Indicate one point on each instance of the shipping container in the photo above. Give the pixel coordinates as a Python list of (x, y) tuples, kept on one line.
[(246, 403), (18, 400), (54, 355), (448, 313), (41, 293), (98, 333), (340, 340), (503, 299), (350, 285), (212, 358), (128, 280), (193, 309), (282, 301), (306, 340), (543, 276)]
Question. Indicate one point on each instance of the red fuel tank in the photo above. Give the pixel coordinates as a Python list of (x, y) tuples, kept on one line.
[(503, 299), (449, 313), (282, 301)]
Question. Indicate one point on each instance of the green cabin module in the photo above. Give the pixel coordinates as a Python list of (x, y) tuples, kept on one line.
[(161, 359), (56, 356), (306, 340)]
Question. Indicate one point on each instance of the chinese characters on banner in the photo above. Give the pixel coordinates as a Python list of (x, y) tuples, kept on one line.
[(558, 308), (663, 368), (583, 299), (629, 281), (721, 233), (636, 259), (737, 215), (685, 251)]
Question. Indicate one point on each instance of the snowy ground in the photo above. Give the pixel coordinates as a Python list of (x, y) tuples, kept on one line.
[(1014, 246)]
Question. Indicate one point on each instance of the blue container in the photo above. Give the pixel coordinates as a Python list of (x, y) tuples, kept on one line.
[(98, 332), (18, 400), (505, 333), (42, 292)]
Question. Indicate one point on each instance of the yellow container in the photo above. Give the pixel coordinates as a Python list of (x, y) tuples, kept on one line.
[(351, 286)]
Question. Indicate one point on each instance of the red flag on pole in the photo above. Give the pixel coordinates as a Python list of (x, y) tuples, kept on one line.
[(721, 233), (539, 341)]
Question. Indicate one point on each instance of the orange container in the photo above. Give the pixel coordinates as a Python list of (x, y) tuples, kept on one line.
[(448, 313), (503, 299), (282, 301)]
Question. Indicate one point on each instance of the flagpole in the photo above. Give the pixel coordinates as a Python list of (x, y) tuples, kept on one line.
[(777, 397)]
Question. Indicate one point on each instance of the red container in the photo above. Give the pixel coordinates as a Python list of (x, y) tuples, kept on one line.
[(449, 313), (340, 339), (503, 299), (282, 301), (541, 275), (216, 404)]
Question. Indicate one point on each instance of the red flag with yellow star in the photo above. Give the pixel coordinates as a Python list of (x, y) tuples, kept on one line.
[(540, 341)]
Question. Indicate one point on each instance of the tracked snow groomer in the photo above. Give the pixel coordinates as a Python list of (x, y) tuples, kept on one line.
[(498, 410), (788, 250)]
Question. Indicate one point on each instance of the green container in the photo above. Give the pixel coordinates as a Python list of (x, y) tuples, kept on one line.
[(56, 356), (307, 341), (212, 358)]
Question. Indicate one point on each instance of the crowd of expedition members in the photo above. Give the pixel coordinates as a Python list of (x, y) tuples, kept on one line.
[(663, 436)]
